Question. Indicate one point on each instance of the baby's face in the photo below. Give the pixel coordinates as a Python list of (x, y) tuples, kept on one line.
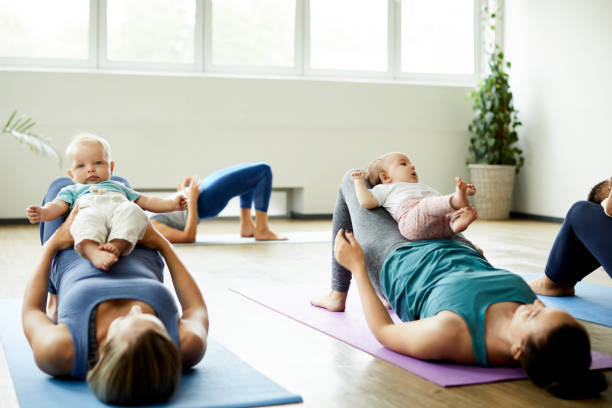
[(89, 164), (399, 169)]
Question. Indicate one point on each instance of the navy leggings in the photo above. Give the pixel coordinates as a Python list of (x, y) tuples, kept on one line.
[(251, 181), (583, 244)]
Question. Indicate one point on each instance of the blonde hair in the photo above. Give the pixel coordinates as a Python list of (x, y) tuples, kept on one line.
[(83, 138), (145, 371)]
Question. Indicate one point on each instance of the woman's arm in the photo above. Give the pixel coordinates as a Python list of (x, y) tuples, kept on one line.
[(51, 344), (188, 234), (193, 324), (429, 339)]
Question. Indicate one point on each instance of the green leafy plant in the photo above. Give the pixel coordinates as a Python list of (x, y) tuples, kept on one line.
[(495, 120), (20, 127)]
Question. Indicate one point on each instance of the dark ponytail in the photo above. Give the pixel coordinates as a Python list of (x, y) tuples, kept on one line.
[(560, 363)]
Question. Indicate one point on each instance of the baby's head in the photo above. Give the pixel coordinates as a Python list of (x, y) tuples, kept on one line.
[(600, 191), (390, 168), (89, 157)]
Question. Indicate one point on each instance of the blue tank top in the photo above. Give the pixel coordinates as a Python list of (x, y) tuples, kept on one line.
[(423, 278), (80, 287)]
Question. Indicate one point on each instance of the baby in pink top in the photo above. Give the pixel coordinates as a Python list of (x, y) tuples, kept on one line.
[(421, 211)]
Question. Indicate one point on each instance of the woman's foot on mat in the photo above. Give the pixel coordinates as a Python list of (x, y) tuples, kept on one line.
[(544, 286), (333, 301)]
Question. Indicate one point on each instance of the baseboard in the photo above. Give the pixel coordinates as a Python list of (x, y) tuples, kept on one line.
[(14, 221), (299, 216), (534, 217)]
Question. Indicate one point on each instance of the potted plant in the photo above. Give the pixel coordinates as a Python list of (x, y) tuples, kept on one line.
[(495, 158), (20, 127)]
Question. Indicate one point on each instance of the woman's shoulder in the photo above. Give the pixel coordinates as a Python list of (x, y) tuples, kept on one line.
[(54, 351)]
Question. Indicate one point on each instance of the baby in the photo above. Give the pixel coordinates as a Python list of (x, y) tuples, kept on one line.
[(110, 218), (421, 212), (601, 193)]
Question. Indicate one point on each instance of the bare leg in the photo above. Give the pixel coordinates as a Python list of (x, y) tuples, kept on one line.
[(459, 199), (247, 226), (99, 258), (333, 301), (116, 246), (262, 229), (463, 220), (544, 286)]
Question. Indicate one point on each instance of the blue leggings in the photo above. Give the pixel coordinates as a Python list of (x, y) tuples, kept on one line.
[(251, 181), (582, 245)]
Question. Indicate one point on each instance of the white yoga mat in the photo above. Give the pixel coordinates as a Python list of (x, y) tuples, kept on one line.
[(297, 237)]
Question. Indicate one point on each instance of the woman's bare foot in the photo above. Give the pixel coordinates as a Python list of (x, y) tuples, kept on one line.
[(544, 286), (333, 301), (459, 199), (262, 229), (267, 235), (99, 258), (467, 216), (247, 226)]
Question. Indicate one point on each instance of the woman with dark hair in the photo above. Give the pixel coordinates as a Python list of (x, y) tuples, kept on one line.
[(252, 182), (582, 245), (120, 329), (453, 304)]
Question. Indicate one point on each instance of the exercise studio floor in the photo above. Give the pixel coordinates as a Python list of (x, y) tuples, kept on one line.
[(325, 371)]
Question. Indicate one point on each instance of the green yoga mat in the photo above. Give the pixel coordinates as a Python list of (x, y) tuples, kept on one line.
[(221, 379)]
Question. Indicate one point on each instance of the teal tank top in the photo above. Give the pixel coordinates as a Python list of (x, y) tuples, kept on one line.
[(423, 278)]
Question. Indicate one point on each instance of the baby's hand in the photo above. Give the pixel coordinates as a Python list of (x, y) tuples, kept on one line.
[(357, 176), (470, 190), (180, 202), (36, 214)]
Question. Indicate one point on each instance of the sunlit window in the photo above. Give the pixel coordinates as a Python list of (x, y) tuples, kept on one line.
[(151, 30), (44, 29), (437, 36), (253, 33), (348, 35)]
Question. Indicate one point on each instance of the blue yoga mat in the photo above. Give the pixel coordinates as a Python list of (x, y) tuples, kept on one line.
[(221, 379), (592, 302)]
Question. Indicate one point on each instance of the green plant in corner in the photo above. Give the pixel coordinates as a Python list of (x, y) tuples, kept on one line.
[(20, 127), (495, 120)]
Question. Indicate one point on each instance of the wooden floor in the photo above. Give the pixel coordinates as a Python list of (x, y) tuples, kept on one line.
[(325, 371)]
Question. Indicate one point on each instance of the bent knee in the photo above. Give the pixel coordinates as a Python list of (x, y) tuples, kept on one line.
[(579, 208)]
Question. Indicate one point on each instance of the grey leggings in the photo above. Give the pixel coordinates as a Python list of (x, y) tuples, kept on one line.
[(375, 230)]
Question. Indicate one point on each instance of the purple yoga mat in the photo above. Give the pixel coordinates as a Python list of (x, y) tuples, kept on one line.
[(350, 327)]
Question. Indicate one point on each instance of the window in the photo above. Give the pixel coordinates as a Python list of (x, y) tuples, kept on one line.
[(256, 33), (155, 31), (56, 29), (437, 36), (348, 35), (392, 39)]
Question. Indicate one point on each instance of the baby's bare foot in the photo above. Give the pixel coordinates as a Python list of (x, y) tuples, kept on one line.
[(267, 235), (333, 301), (102, 259), (459, 199), (108, 247), (461, 222), (544, 286)]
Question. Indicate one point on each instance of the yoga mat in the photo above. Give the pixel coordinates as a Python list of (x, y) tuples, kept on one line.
[(592, 302), (350, 327), (298, 237), (221, 379)]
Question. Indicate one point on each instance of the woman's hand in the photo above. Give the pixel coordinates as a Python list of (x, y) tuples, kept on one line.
[(348, 252), (193, 189), (62, 238), (152, 238)]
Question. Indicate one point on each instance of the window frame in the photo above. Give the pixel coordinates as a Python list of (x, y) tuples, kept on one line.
[(97, 59)]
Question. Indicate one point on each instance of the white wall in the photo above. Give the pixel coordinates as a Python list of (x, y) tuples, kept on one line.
[(561, 54), (162, 127)]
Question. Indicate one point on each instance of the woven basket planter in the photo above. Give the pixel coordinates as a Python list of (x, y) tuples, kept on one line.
[(494, 185)]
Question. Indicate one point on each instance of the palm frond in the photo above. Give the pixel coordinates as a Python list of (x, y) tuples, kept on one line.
[(20, 128)]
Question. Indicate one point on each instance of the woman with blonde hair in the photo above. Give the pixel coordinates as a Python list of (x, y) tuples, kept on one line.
[(119, 329)]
